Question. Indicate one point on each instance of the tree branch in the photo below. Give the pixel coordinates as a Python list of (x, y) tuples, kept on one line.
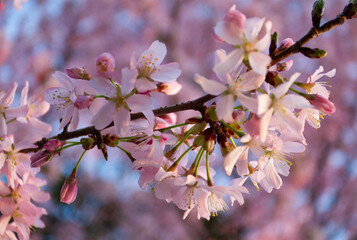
[(314, 32), (190, 105)]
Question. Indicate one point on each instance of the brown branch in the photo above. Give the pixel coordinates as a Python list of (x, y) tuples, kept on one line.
[(314, 32), (190, 105)]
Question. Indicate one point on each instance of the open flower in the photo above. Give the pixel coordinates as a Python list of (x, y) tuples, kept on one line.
[(150, 69), (65, 98), (244, 34)]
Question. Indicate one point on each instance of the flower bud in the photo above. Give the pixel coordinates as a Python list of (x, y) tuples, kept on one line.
[(350, 11), (53, 145), (88, 143), (284, 44), (111, 140), (105, 63), (313, 52), (83, 102), (317, 12), (235, 18), (69, 188), (78, 73), (284, 66), (322, 104), (40, 158)]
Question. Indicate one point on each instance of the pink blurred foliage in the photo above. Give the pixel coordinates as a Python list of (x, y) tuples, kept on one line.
[(317, 200)]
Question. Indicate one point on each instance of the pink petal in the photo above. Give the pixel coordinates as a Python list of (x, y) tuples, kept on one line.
[(224, 108), (231, 61), (139, 102), (259, 62), (42, 127), (104, 116), (75, 119), (122, 121), (64, 80), (295, 101), (9, 96), (251, 80), (16, 112), (264, 42), (4, 221), (253, 27), (231, 159), (249, 102), (264, 124), (166, 72), (57, 95), (210, 86), (67, 117), (242, 163), (264, 102), (272, 175), (284, 87), (3, 126), (128, 80), (228, 33), (143, 85), (24, 92)]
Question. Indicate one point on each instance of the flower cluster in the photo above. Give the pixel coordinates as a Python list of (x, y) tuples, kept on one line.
[(19, 186), (257, 121), (258, 118)]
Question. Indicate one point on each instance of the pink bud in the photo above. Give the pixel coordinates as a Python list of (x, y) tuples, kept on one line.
[(69, 188), (235, 18), (284, 44), (284, 66), (53, 145), (40, 158), (83, 102), (105, 65), (322, 104), (78, 73)]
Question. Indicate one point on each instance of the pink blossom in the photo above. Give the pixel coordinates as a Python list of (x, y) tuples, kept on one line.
[(65, 97), (248, 40), (121, 102), (150, 69)]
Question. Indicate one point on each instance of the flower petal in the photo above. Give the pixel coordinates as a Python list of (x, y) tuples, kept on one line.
[(210, 86), (122, 121), (104, 116), (232, 60), (259, 62), (64, 80), (224, 108), (166, 72)]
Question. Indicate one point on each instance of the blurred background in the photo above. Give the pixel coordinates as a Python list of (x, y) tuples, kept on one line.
[(318, 199)]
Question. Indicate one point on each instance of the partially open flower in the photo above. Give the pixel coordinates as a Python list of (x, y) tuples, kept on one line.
[(78, 73), (322, 104)]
